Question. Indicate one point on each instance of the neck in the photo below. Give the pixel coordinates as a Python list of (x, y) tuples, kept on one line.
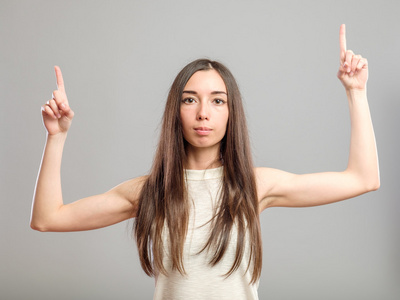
[(202, 158)]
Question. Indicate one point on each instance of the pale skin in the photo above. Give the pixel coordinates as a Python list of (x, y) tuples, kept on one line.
[(204, 115)]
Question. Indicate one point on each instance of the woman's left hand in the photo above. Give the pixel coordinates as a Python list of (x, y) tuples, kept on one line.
[(353, 70)]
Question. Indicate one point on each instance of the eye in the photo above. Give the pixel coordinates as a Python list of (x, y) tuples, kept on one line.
[(188, 100), (219, 101)]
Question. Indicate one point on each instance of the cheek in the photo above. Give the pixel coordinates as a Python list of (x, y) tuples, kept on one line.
[(223, 125), (183, 119), (226, 119), (185, 123), (187, 115)]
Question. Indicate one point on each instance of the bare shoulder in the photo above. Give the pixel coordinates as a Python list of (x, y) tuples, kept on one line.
[(267, 181), (266, 178), (130, 190)]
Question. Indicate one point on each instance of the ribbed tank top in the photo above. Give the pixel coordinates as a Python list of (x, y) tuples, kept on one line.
[(203, 281)]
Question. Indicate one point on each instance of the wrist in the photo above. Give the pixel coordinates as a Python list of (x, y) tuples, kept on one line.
[(356, 93), (59, 137)]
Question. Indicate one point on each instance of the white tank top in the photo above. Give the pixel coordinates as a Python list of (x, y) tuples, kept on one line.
[(202, 281)]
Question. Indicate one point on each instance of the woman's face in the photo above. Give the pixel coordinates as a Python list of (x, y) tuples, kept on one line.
[(204, 109)]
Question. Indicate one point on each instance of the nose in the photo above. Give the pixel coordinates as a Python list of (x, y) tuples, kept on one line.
[(203, 113)]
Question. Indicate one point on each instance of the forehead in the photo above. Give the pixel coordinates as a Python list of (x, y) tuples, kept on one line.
[(206, 81)]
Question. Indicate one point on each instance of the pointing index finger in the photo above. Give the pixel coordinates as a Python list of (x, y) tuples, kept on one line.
[(342, 42), (59, 77)]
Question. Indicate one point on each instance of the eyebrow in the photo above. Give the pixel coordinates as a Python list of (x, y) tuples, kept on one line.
[(212, 93)]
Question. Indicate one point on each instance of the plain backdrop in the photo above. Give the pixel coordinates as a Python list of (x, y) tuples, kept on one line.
[(119, 59)]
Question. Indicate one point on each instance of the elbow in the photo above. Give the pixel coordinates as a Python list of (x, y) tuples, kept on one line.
[(374, 186), (366, 181), (38, 226)]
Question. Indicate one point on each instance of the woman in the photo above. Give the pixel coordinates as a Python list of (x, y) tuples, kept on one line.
[(197, 212)]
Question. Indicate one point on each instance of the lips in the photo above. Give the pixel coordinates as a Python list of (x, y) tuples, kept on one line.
[(203, 130)]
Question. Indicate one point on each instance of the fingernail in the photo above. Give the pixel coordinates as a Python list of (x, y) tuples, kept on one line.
[(351, 73), (62, 105)]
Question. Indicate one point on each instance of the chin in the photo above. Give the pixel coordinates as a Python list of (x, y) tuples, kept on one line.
[(202, 145)]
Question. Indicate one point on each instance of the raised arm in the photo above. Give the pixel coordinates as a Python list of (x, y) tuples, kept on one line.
[(48, 210), (278, 188)]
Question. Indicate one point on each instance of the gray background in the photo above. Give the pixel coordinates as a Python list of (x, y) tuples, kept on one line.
[(119, 59)]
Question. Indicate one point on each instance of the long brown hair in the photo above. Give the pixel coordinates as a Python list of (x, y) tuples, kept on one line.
[(164, 202)]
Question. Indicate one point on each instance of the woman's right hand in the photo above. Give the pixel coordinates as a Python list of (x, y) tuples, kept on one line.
[(56, 113)]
